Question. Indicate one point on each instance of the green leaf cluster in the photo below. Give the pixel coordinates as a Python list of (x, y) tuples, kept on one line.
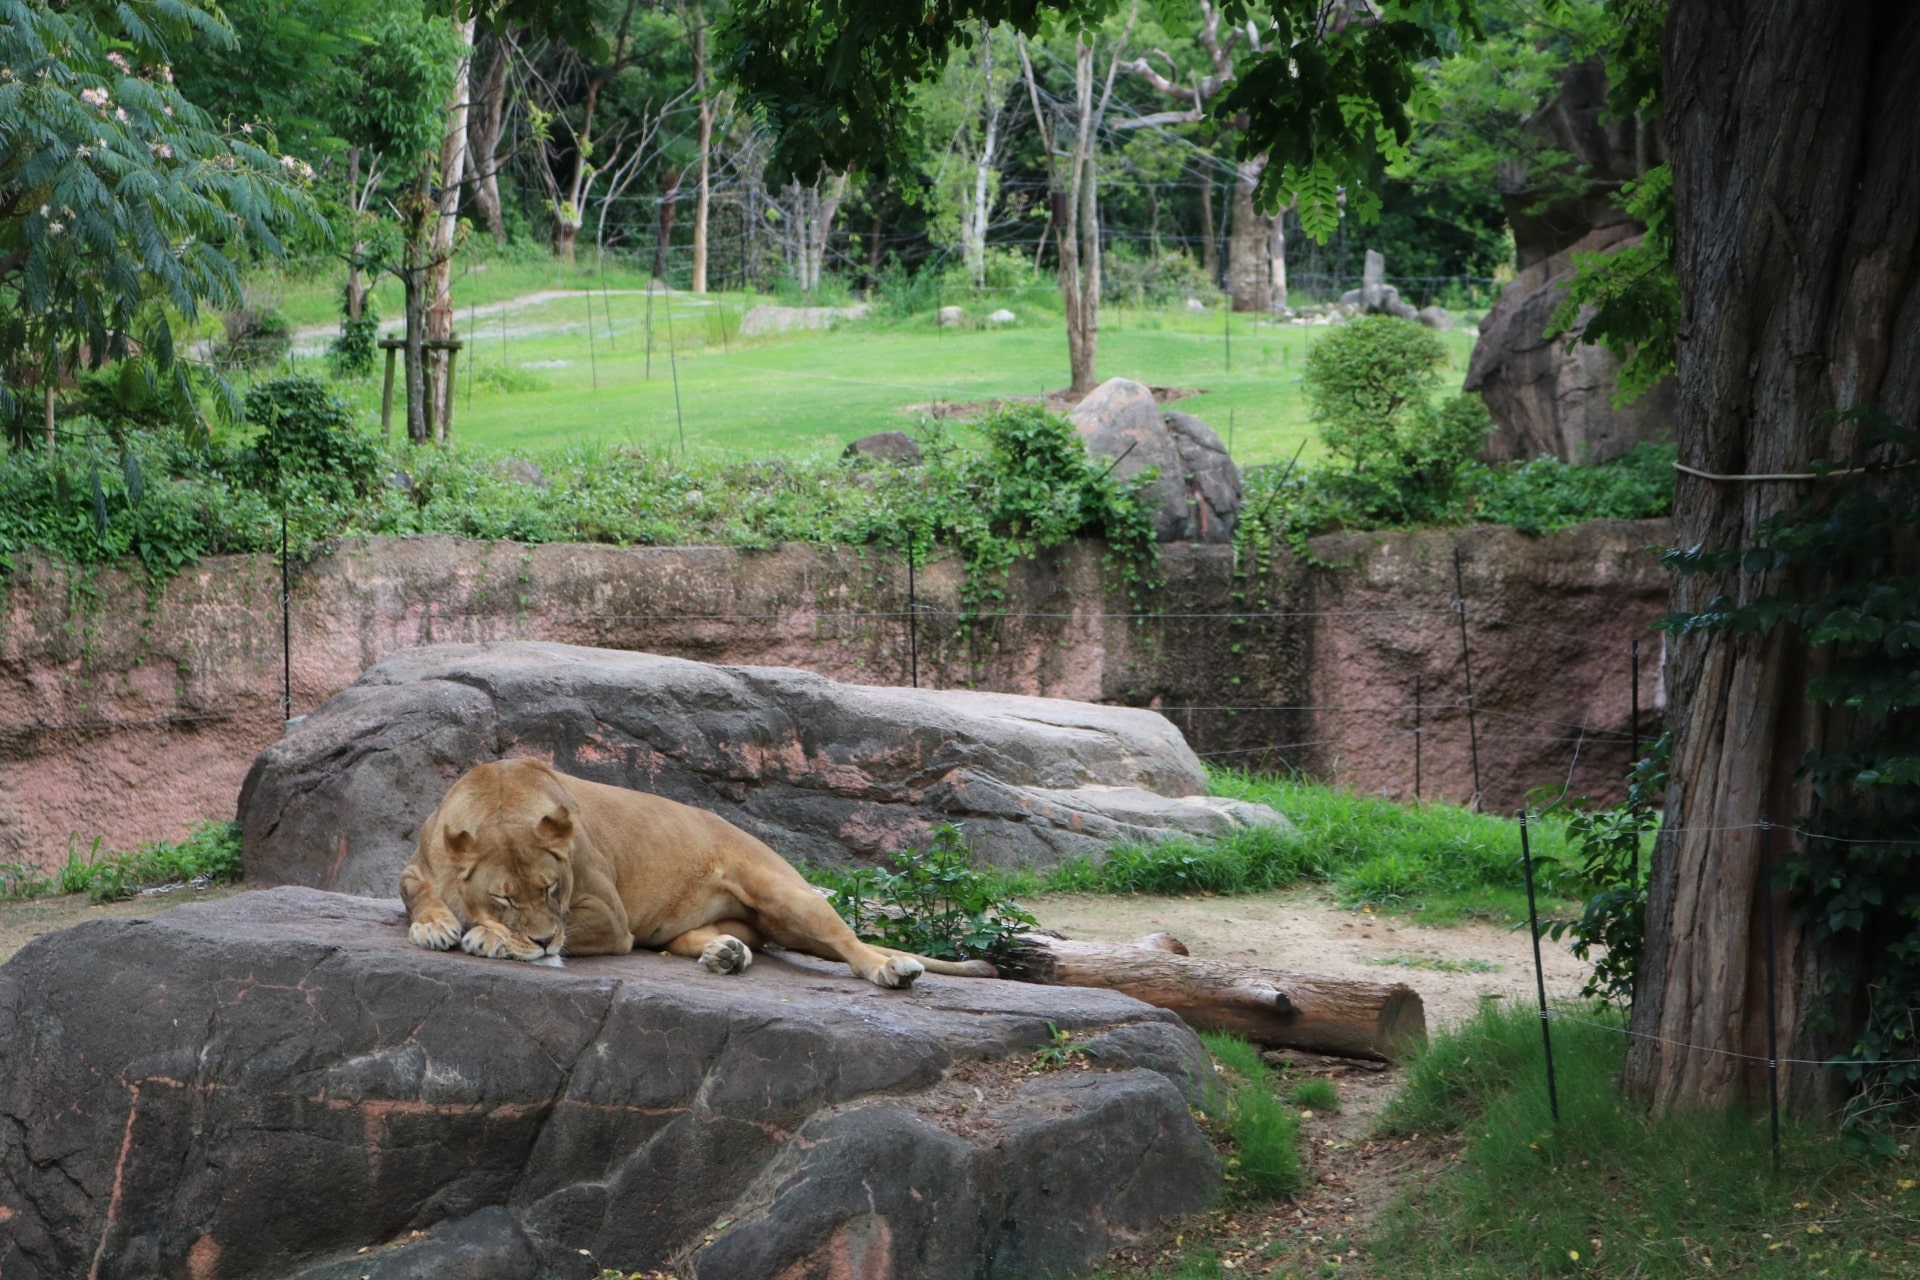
[(931, 902), (1629, 295)]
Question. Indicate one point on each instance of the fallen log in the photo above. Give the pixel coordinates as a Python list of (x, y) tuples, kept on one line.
[(1343, 1017)]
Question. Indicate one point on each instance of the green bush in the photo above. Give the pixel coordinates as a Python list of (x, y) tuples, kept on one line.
[(308, 443), (1372, 385), (933, 904), (257, 337), (1547, 493)]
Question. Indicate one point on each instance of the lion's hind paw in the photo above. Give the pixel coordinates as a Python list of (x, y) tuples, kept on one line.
[(725, 955), (900, 971), (441, 933)]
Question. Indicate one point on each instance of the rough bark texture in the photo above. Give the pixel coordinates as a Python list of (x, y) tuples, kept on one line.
[(453, 168), (1797, 189), (277, 1085), (1271, 1007), (484, 127), (1249, 270)]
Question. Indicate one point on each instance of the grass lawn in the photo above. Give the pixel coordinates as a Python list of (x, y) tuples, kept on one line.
[(533, 377)]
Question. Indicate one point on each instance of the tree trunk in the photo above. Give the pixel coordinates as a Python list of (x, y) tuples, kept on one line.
[(975, 247), (1277, 256), (356, 284), (1797, 191), (418, 211), (1270, 1007), (1209, 243), (453, 164), (1249, 277), (669, 208), (817, 228), (703, 189), (1078, 294), (484, 128)]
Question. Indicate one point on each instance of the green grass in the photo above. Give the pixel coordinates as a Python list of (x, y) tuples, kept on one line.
[(1438, 860), (1611, 1191), (805, 393), (1437, 966), (1262, 1133), (1316, 1093), (210, 851)]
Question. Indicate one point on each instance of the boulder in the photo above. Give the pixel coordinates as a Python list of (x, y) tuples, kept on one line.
[(1002, 316), (822, 771), (278, 1085), (1545, 399), (1435, 317), (1194, 304), (896, 447), (1375, 297), (950, 317), (1198, 490), (520, 471)]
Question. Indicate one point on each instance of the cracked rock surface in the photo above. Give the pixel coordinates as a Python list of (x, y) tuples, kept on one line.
[(822, 771), (277, 1084)]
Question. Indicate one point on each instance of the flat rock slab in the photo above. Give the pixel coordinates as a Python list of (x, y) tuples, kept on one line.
[(268, 1085), (822, 771)]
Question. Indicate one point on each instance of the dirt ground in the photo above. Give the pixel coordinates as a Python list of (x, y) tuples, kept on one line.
[(22, 922)]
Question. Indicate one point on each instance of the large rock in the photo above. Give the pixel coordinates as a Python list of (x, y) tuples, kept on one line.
[(822, 771), (1198, 490), (269, 1085), (1547, 400), (1375, 297)]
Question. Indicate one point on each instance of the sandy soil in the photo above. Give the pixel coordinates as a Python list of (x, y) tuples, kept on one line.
[(1453, 968), (22, 922)]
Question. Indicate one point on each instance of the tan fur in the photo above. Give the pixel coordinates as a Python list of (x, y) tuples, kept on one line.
[(523, 862)]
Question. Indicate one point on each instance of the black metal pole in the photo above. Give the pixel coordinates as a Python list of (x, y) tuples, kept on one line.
[(1539, 974), (1416, 739), (913, 615), (286, 627), (1766, 910), (1466, 668)]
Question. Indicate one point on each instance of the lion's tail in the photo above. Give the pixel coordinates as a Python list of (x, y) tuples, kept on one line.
[(951, 968)]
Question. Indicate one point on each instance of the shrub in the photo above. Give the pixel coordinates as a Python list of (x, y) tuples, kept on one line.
[(354, 349), (1265, 1133), (934, 904), (1546, 493), (308, 441), (1316, 1092), (257, 337), (1371, 385)]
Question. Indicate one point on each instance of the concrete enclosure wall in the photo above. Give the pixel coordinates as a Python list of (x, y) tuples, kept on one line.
[(126, 714)]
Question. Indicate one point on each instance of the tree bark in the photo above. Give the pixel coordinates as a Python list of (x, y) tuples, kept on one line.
[(703, 188), (1270, 1007), (1797, 194), (356, 284), (484, 128), (975, 246), (669, 208), (1249, 275), (453, 164), (1209, 242)]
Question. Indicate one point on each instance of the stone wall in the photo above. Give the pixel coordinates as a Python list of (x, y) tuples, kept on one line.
[(127, 714)]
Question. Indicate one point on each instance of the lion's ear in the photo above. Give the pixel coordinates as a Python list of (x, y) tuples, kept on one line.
[(557, 826), (460, 844)]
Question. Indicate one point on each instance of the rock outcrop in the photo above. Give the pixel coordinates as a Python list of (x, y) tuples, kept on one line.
[(822, 771), (1375, 297), (1197, 494), (1548, 400), (278, 1085)]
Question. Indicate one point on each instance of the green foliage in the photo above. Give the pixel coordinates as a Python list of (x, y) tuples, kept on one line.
[(934, 904), (1324, 100), (1262, 1133), (1315, 1092), (210, 854), (1060, 1051), (1633, 293), (1372, 383), (308, 443), (1613, 847), (1651, 1195), (123, 197), (1839, 570), (1546, 493), (257, 337), (1249, 860)]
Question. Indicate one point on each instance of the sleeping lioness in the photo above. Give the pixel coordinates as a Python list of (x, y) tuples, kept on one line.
[(523, 862)]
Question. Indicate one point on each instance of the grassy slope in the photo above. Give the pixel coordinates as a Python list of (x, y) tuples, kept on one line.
[(800, 393)]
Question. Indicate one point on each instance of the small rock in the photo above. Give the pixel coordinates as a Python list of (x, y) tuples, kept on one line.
[(1002, 316), (520, 471), (400, 480), (888, 446), (950, 317)]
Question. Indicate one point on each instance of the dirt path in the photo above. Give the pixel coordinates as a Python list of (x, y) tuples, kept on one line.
[(310, 339)]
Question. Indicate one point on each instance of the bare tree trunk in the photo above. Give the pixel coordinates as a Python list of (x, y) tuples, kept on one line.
[(976, 231), (1209, 245), (1249, 278), (453, 164), (703, 189), (356, 285), (418, 214), (816, 228), (1801, 294), (1277, 256), (484, 128)]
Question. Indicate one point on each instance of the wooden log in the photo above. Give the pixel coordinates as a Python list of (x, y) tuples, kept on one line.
[(1344, 1017)]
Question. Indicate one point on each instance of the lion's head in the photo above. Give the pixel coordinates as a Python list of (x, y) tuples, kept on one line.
[(508, 831)]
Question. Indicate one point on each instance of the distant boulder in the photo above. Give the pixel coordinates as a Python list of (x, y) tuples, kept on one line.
[(950, 317), (896, 447), (1002, 316), (1435, 318), (1198, 492)]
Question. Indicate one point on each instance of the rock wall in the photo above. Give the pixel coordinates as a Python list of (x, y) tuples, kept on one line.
[(127, 714)]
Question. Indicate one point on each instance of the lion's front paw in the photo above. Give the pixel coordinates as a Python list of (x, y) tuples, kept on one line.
[(435, 933), (725, 954), (499, 944), (899, 971)]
